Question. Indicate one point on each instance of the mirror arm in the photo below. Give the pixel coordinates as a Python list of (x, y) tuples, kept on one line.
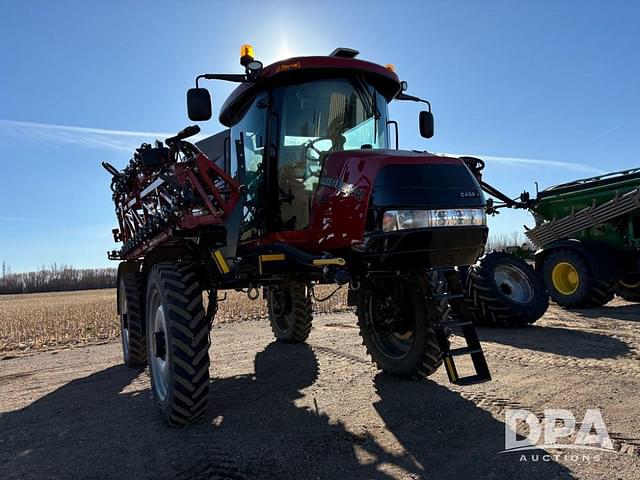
[(395, 126), (229, 77), (411, 98)]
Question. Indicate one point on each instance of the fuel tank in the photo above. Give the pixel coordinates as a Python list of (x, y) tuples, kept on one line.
[(357, 186)]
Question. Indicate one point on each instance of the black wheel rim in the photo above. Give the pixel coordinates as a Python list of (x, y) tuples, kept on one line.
[(397, 340), (281, 305)]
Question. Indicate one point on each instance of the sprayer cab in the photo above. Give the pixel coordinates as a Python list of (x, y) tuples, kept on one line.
[(312, 140)]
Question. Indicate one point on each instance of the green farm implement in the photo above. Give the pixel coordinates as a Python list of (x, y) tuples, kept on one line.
[(588, 236)]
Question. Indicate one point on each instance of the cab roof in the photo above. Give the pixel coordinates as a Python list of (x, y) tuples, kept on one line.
[(298, 69)]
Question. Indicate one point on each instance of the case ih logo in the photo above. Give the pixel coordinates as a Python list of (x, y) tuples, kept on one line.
[(471, 194), (347, 189)]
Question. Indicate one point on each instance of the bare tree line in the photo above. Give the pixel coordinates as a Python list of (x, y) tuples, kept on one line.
[(501, 241), (56, 278)]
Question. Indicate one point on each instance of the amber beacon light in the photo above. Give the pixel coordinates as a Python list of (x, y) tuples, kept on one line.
[(246, 54)]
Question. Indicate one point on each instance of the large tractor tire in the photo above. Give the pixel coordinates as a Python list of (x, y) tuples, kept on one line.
[(132, 329), (503, 290), (177, 342), (572, 283), (629, 289), (398, 330), (290, 311)]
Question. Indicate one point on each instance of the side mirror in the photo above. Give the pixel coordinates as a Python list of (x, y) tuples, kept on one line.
[(198, 104), (426, 124)]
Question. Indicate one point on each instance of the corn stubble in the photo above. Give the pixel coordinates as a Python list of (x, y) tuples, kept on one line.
[(42, 321)]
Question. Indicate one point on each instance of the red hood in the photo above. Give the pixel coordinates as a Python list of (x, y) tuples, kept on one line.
[(342, 198)]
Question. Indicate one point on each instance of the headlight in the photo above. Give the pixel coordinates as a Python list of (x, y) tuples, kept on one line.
[(449, 217)]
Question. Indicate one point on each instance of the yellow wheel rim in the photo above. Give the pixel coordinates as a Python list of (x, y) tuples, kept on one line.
[(565, 278)]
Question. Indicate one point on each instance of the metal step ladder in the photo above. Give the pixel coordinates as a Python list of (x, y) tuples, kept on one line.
[(459, 318)]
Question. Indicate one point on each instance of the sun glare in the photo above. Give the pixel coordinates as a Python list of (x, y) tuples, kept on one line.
[(284, 51)]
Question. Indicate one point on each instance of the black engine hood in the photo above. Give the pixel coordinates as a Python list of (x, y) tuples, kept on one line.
[(426, 186)]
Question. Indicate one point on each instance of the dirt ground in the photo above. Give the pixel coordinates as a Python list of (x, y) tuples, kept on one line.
[(322, 411)]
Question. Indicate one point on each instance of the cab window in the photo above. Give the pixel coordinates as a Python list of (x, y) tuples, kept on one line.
[(317, 118), (248, 139)]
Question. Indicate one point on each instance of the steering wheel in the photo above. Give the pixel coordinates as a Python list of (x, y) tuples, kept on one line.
[(311, 145), (306, 159)]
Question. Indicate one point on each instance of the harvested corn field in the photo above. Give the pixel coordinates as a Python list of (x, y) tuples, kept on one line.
[(42, 321)]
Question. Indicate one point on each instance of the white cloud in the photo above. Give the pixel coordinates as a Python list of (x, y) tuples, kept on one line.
[(578, 167), (121, 140), (606, 132), (127, 141)]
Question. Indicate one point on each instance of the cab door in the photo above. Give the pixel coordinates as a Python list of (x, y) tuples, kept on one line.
[(248, 141)]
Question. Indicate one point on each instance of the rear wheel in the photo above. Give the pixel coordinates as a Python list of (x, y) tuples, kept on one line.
[(132, 330), (503, 290), (398, 329), (290, 311), (571, 281), (178, 343)]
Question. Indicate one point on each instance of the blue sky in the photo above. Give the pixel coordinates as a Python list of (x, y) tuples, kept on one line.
[(547, 91)]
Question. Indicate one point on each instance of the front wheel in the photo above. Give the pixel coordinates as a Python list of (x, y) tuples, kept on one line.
[(398, 330), (177, 342)]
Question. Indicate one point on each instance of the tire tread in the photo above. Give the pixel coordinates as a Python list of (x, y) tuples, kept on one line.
[(189, 343), (133, 287)]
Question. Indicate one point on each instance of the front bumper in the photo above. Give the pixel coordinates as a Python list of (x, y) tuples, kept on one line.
[(424, 248)]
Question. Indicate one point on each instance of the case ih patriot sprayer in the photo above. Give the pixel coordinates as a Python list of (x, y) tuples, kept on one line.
[(305, 189)]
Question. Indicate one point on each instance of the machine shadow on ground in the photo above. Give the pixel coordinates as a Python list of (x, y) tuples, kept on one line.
[(630, 313), (557, 340), (256, 428)]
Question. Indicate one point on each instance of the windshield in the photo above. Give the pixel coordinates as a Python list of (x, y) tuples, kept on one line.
[(336, 114), (314, 119)]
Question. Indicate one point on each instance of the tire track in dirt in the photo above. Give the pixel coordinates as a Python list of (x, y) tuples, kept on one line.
[(217, 465), (338, 355), (497, 405), (623, 365), (12, 376), (494, 404)]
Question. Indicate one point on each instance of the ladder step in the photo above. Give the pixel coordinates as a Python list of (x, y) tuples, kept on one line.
[(456, 352), (472, 380), (459, 316)]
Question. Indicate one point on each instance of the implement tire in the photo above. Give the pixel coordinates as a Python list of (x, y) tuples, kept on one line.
[(177, 342), (290, 311), (630, 291), (571, 281), (400, 335), (132, 329), (503, 290)]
